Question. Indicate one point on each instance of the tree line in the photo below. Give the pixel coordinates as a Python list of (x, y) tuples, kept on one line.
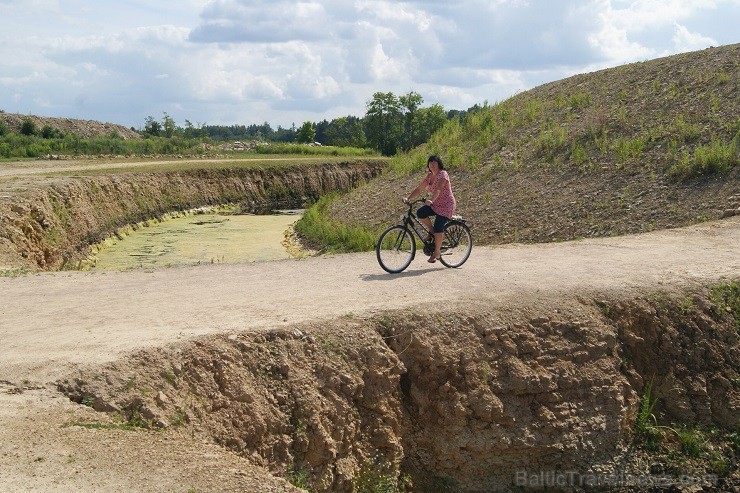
[(391, 123)]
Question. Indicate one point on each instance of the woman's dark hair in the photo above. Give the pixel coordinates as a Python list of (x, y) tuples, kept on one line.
[(437, 160)]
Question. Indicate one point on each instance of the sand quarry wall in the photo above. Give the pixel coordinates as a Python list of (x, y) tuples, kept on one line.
[(53, 227), (467, 400)]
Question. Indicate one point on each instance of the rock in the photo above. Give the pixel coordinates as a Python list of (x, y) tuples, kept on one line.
[(162, 399)]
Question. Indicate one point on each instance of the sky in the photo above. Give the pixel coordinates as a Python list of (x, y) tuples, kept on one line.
[(284, 62)]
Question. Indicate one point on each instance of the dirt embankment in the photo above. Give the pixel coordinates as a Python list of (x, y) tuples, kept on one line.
[(81, 128), (52, 227), (466, 401)]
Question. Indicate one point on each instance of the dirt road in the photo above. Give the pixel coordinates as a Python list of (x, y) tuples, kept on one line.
[(52, 323)]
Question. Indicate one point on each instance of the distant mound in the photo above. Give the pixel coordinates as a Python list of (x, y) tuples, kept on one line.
[(639, 147), (81, 128)]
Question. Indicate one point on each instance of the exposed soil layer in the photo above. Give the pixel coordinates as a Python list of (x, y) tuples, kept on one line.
[(52, 225), (459, 401)]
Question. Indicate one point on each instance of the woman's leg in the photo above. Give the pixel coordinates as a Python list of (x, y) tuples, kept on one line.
[(427, 223), (438, 238), (439, 234), (424, 213)]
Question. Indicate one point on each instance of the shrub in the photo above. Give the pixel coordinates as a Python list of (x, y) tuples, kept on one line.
[(717, 157), (48, 132), (28, 127), (378, 476)]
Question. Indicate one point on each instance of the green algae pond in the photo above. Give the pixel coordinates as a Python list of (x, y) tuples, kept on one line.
[(201, 237)]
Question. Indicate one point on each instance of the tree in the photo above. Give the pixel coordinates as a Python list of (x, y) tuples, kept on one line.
[(190, 130), (152, 126), (430, 120), (28, 127), (168, 125), (384, 123), (284, 134), (411, 120), (306, 134), (346, 131)]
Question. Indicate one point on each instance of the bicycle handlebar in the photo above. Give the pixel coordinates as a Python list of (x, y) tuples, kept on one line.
[(415, 201)]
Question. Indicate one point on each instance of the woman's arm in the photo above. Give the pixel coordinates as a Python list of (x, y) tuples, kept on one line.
[(417, 191)]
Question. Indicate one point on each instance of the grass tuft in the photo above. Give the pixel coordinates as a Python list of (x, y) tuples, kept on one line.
[(316, 227), (647, 433), (727, 298)]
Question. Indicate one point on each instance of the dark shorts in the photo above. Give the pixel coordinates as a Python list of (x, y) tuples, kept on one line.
[(439, 221)]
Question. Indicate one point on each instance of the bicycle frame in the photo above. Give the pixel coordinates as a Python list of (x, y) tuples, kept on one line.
[(396, 246), (410, 221)]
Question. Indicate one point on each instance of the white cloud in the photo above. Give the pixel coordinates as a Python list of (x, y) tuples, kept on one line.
[(684, 40), (295, 60), (261, 21), (642, 28)]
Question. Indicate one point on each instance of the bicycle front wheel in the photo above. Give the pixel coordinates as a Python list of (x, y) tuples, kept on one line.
[(456, 245), (395, 249)]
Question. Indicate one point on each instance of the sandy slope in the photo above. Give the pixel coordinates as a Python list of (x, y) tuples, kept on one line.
[(51, 323)]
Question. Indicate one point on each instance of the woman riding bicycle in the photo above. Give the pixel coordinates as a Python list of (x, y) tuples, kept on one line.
[(441, 203)]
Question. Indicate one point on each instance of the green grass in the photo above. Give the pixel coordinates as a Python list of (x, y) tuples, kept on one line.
[(299, 477), (646, 431), (14, 145), (17, 146), (14, 271), (378, 476), (302, 149), (692, 441), (714, 158), (318, 229), (727, 298)]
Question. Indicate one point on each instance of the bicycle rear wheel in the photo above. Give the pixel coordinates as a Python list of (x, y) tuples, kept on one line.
[(457, 244), (395, 249)]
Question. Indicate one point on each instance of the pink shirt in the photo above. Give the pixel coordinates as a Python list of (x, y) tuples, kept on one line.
[(445, 203)]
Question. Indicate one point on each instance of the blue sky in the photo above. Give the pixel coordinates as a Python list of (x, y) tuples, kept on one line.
[(285, 61)]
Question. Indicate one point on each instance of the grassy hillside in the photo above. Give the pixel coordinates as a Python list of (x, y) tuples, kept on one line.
[(639, 147)]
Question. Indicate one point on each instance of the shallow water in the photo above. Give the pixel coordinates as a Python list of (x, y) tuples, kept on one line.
[(198, 239)]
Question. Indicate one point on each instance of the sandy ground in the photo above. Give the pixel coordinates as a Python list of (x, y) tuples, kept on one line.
[(52, 323)]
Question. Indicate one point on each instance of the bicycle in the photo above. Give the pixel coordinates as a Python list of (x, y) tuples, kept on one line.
[(396, 246)]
